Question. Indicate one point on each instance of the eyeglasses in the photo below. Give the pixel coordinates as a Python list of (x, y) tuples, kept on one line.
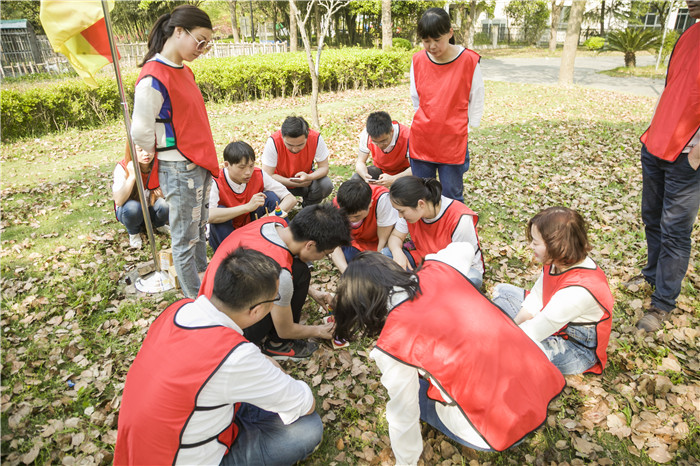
[(277, 298), (202, 45)]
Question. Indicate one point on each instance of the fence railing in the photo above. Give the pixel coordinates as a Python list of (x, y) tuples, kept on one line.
[(18, 58)]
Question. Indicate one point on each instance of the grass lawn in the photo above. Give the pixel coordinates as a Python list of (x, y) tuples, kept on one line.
[(70, 332), (637, 72)]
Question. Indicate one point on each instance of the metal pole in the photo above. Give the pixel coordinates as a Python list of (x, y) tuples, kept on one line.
[(132, 148)]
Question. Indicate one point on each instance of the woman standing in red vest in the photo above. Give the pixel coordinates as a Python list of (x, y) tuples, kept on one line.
[(441, 353), (569, 310), (127, 206), (447, 91), (170, 119)]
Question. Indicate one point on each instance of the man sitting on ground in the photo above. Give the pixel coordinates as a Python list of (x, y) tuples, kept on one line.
[(311, 235), (199, 393), (387, 142)]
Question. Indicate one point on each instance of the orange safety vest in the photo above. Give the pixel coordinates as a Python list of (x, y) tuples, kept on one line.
[(595, 282), (229, 198), (289, 164), (459, 338), (439, 132), (193, 138), (677, 115), (395, 161)]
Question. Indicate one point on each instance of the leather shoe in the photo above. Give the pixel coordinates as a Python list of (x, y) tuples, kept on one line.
[(653, 319)]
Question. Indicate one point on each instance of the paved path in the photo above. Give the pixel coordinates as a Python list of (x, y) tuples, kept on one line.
[(546, 71)]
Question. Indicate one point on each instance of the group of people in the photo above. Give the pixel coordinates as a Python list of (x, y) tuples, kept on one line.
[(206, 387)]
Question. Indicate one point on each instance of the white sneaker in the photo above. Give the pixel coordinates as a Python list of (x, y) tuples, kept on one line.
[(135, 241), (165, 229)]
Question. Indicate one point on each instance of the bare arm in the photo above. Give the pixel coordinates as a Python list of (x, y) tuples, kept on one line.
[(387, 180), (338, 259), (361, 165), (288, 202), (395, 244), (286, 327), (383, 234), (223, 214), (122, 195)]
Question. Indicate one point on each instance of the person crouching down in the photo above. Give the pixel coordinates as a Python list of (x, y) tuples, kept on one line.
[(447, 354), (199, 393)]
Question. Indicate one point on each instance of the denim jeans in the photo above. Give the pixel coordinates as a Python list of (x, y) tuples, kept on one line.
[(315, 193), (670, 201), (475, 276), (186, 189), (263, 439), (350, 252), (451, 176), (387, 252), (429, 415), (572, 354), (131, 215), (219, 231)]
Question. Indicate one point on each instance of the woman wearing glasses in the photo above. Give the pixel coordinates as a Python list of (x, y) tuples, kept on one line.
[(170, 119)]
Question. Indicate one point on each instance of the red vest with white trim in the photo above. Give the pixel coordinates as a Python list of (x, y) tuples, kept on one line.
[(364, 237), (430, 238), (162, 387), (394, 161), (458, 337), (190, 122), (229, 198), (439, 132), (677, 115), (595, 282), (251, 237), (289, 164)]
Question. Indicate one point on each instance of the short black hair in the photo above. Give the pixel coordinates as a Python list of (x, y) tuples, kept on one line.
[(295, 126), (379, 124), (323, 224), (354, 195), (237, 152), (435, 23), (245, 277), (408, 190)]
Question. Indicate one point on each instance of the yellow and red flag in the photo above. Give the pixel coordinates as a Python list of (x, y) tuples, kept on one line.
[(76, 28)]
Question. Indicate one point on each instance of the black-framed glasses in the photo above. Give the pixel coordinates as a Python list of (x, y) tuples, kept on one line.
[(202, 45), (277, 298)]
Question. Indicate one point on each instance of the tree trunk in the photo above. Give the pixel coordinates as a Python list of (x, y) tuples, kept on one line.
[(234, 21), (573, 30), (252, 24), (386, 25), (602, 18), (556, 17), (630, 59), (274, 21), (293, 39)]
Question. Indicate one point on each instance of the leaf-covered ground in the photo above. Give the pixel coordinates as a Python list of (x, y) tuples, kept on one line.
[(70, 330)]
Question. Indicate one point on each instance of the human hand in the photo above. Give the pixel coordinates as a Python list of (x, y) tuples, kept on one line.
[(694, 157), (323, 298), (258, 200), (402, 260), (157, 192), (326, 330), (385, 180), (301, 180)]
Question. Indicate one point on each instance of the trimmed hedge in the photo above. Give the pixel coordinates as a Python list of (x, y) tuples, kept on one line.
[(34, 111)]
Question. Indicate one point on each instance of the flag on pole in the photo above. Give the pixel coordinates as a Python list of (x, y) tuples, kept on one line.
[(76, 28)]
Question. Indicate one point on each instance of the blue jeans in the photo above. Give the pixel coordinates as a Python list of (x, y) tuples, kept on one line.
[(451, 176), (573, 354), (315, 193), (219, 231), (429, 415), (263, 439), (670, 201), (186, 188), (131, 215), (387, 252)]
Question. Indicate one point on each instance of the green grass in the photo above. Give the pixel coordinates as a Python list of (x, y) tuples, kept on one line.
[(66, 316), (637, 72)]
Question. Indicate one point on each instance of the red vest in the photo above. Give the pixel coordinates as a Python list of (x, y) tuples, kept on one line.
[(499, 378), (162, 386), (364, 237), (439, 131), (251, 237), (149, 180), (289, 164), (594, 281), (190, 122), (430, 238), (677, 115), (228, 198), (395, 161)]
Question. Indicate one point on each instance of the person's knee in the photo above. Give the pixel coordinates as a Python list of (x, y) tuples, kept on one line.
[(322, 188)]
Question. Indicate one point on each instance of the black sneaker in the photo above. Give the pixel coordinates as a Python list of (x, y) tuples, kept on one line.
[(290, 349)]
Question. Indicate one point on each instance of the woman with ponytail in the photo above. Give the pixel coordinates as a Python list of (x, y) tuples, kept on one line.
[(170, 119), (433, 221)]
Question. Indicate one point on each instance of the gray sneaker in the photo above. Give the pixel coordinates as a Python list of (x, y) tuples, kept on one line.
[(290, 349), (653, 319)]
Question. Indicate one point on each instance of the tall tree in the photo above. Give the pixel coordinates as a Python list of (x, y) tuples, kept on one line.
[(331, 7), (573, 30), (469, 12), (386, 24), (557, 7), (234, 21), (252, 23), (293, 38), (530, 16)]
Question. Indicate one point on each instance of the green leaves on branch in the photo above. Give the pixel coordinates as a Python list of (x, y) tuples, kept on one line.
[(632, 40), (34, 111)]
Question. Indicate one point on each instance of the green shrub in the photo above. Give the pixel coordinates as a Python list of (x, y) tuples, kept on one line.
[(401, 43), (33, 111), (669, 42), (594, 43)]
